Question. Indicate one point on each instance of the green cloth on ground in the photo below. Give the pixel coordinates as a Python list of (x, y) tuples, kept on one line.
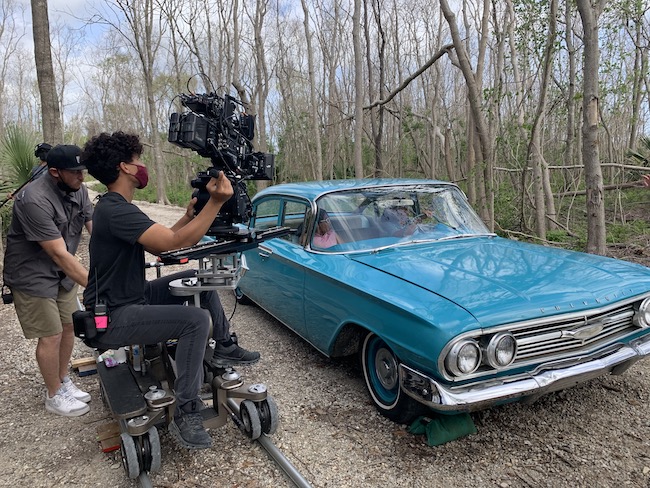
[(443, 428)]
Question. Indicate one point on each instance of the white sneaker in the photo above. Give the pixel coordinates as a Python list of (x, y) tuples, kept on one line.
[(70, 389), (66, 405)]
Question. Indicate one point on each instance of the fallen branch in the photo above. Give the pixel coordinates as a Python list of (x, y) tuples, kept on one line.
[(605, 187)]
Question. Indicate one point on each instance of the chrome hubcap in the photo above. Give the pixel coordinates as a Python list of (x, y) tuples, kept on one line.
[(386, 369)]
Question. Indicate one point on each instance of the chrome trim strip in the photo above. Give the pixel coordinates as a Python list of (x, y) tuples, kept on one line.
[(476, 396)]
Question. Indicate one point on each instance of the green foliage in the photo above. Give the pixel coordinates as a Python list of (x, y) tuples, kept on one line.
[(16, 162), (506, 209), (251, 188), (643, 155), (96, 186), (5, 219), (147, 194), (576, 242), (621, 233), (179, 193), (16, 157)]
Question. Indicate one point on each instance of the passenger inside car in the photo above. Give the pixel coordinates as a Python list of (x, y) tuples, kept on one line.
[(324, 236), (397, 221)]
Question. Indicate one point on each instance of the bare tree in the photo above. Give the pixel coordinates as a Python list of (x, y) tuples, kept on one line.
[(479, 121), (376, 120), (317, 162), (570, 96), (143, 34), (589, 13), (541, 183), (331, 46), (636, 18), (10, 38), (51, 113), (64, 44), (358, 90)]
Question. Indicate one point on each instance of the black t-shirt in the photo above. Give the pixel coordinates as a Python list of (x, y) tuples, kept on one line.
[(116, 274)]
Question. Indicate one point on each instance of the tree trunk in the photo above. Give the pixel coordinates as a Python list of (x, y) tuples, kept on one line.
[(590, 152), (543, 200), (479, 121), (140, 15), (640, 67), (570, 98), (358, 91), (377, 119), (315, 124), (50, 110)]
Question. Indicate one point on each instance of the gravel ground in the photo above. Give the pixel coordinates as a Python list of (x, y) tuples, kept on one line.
[(596, 434)]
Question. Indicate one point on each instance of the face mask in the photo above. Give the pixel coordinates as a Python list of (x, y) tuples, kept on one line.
[(142, 175), (63, 187)]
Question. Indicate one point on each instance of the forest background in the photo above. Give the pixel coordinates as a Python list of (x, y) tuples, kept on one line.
[(538, 109)]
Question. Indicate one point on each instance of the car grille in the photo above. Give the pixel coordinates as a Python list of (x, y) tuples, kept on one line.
[(555, 340)]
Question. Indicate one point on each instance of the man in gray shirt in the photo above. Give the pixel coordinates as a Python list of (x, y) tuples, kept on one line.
[(40, 268)]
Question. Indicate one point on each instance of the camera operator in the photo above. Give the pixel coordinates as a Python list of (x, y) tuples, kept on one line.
[(40, 268), (142, 312)]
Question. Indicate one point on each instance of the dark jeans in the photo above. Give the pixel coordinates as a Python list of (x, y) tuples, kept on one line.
[(165, 317), (157, 293)]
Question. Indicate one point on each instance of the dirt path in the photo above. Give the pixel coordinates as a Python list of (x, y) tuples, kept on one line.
[(595, 435)]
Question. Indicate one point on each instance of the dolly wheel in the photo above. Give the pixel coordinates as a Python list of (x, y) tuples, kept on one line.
[(152, 452), (129, 456), (250, 419), (268, 410)]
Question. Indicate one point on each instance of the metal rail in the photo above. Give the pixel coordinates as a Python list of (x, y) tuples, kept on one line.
[(265, 441), (275, 453), (145, 481), (283, 462)]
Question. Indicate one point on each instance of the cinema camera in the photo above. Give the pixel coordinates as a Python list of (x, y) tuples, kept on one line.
[(218, 128)]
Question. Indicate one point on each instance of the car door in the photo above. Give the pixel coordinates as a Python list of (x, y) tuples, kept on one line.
[(276, 279)]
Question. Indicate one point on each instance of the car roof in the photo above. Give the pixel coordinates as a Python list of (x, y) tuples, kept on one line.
[(314, 189)]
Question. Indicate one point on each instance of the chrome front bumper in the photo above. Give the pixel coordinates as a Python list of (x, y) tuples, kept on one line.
[(477, 396)]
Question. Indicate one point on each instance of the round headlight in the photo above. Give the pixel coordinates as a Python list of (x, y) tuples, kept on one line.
[(642, 316), (501, 350), (463, 358)]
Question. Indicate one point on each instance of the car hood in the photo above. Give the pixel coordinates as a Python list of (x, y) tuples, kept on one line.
[(498, 280)]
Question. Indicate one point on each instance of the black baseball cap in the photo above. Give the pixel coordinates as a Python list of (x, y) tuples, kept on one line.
[(65, 156), (41, 150)]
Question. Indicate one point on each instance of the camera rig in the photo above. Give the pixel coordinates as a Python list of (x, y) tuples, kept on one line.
[(217, 127)]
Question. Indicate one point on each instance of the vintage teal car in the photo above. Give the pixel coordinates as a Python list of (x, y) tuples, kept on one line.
[(444, 314)]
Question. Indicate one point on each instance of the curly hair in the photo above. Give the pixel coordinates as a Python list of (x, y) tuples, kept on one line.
[(103, 153)]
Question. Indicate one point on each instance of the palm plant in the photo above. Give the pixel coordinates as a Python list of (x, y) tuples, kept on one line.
[(16, 156)]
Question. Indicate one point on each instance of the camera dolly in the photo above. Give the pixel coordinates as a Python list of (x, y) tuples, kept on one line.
[(249, 405), (139, 393)]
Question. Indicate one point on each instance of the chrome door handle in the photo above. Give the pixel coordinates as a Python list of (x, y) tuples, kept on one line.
[(264, 252)]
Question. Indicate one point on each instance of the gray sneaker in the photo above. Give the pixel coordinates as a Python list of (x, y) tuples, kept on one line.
[(65, 405), (233, 355), (188, 430)]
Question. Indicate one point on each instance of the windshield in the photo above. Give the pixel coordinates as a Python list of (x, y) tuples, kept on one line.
[(379, 217)]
